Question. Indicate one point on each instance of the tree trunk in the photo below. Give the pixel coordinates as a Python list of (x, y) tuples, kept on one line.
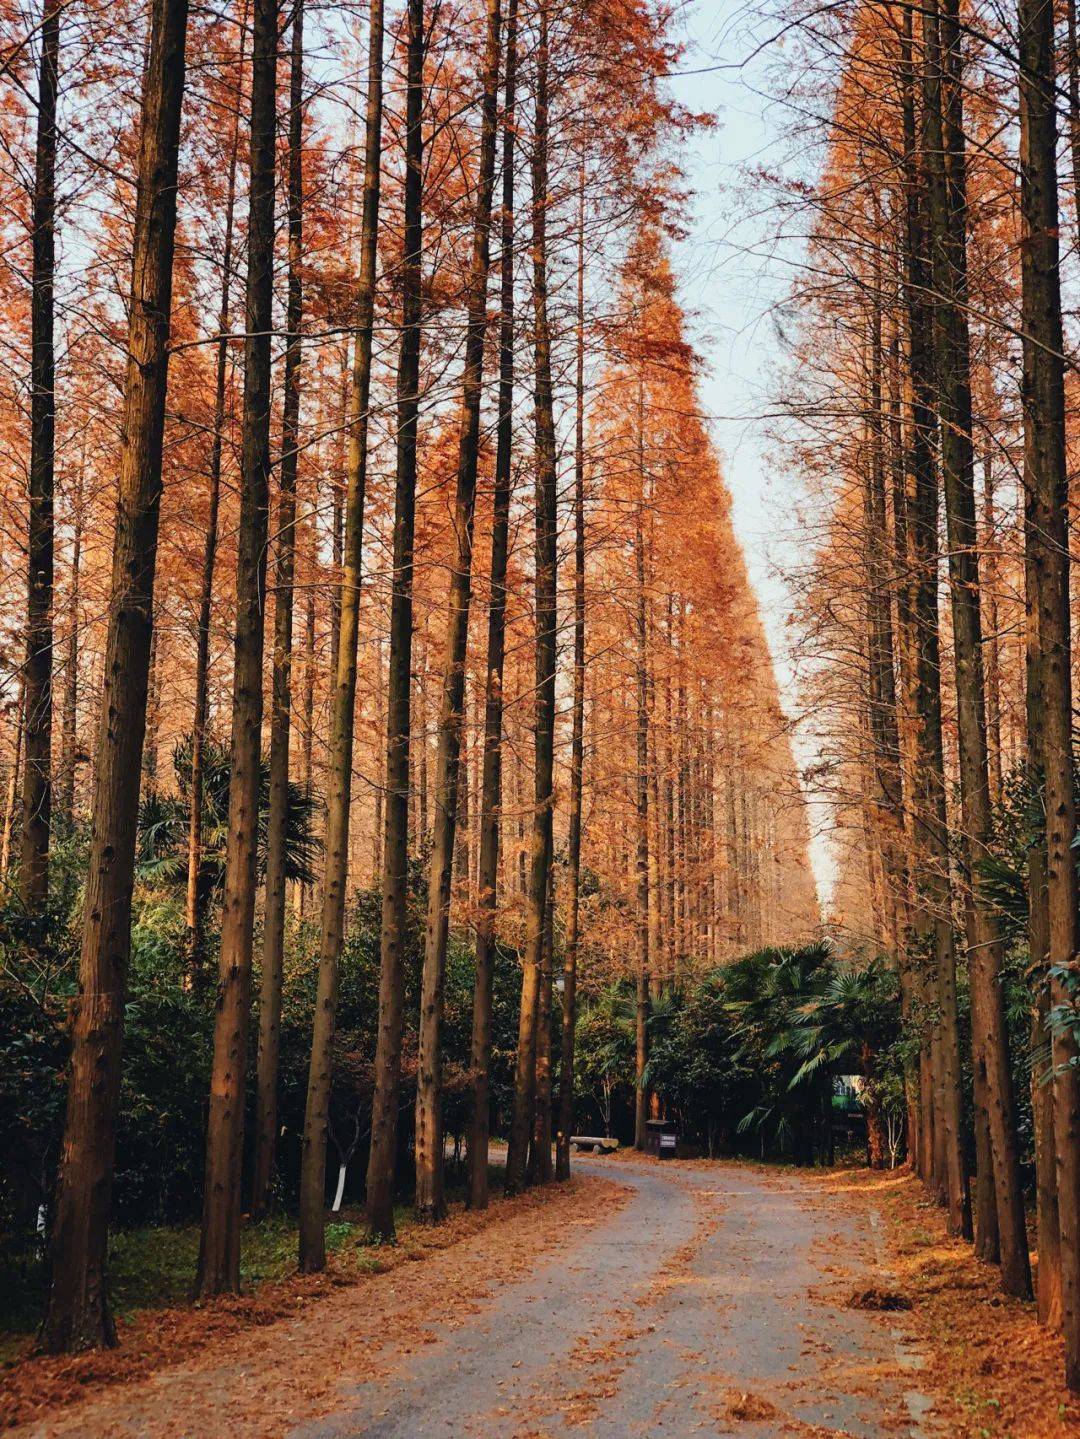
[(1048, 1295), (281, 683), (641, 1036), (13, 790), (989, 592), (339, 786), (934, 909), (382, 1158), (540, 1167), (1046, 535), (195, 889), (430, 1196), (77, 1316), (491, 794), (565, 1126), (219, 1248), (37, 686), (307, 700), (546, 636), (69, 723), (947, 207)]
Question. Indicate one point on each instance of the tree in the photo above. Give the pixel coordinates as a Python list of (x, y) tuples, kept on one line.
[(313, 1175), (546, 584), (383, 1152), (1047, 576), (219, 1248), (37, 684), (78, 1315), (206, 595), (946, 207), (281, 684), (430, 1196), (577, 738), (491, 783)]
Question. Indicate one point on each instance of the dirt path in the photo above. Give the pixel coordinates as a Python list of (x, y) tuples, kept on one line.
[(708, 1300)]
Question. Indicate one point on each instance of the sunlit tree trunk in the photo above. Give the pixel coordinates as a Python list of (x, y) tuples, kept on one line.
[(491, 784), (641, 1019), (219, 1248), (546, 635), (383, 1154), (430, 1196), (565, 1124), (77, 1314), (281, 684)]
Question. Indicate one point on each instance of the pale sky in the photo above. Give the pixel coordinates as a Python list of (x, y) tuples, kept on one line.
[(731, 275)]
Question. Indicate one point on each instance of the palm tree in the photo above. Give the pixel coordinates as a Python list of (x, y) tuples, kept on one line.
[(164, 819)]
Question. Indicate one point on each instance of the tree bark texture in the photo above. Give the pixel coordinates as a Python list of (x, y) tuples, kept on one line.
[(77, 1315), (219, 1248)]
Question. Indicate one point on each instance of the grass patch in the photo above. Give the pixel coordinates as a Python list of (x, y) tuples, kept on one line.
[(153, 1267)]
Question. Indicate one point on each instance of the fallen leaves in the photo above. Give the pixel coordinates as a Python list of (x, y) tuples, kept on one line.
[(886, 1301), (254, 1366), (994, 1371)]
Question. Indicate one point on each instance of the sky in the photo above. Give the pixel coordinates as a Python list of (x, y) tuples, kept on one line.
[(732, 275)]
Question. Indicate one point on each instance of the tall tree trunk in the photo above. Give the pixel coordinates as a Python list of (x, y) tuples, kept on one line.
[(307, 697), (380, 730), (281, 683), (882, 673), (1072, 66), (194, 915), (540, 1169), (383, 1154), (1048, 1295), (565, 1126), (153, 715), (947, 208), (430, 1196), (933, 916), (491, 784), (219, 1248), (77, 1316), (342, 719), (69, 738), (37, 687), (546, 635), (989, 595), (1046, 532), (641, 1036)]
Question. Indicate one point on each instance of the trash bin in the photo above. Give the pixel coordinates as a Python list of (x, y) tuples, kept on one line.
[(661, 1138)]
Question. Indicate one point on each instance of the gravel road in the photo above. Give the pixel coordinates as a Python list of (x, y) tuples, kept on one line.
[(714, 1302)]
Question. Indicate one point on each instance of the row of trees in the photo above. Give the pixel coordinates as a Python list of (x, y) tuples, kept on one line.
[(538, 698), (938, 606)]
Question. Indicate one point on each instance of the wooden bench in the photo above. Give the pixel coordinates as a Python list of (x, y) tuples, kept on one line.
[(593, 1144)]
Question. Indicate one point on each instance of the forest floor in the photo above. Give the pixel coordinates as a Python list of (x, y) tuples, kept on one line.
[(644, 1298)]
